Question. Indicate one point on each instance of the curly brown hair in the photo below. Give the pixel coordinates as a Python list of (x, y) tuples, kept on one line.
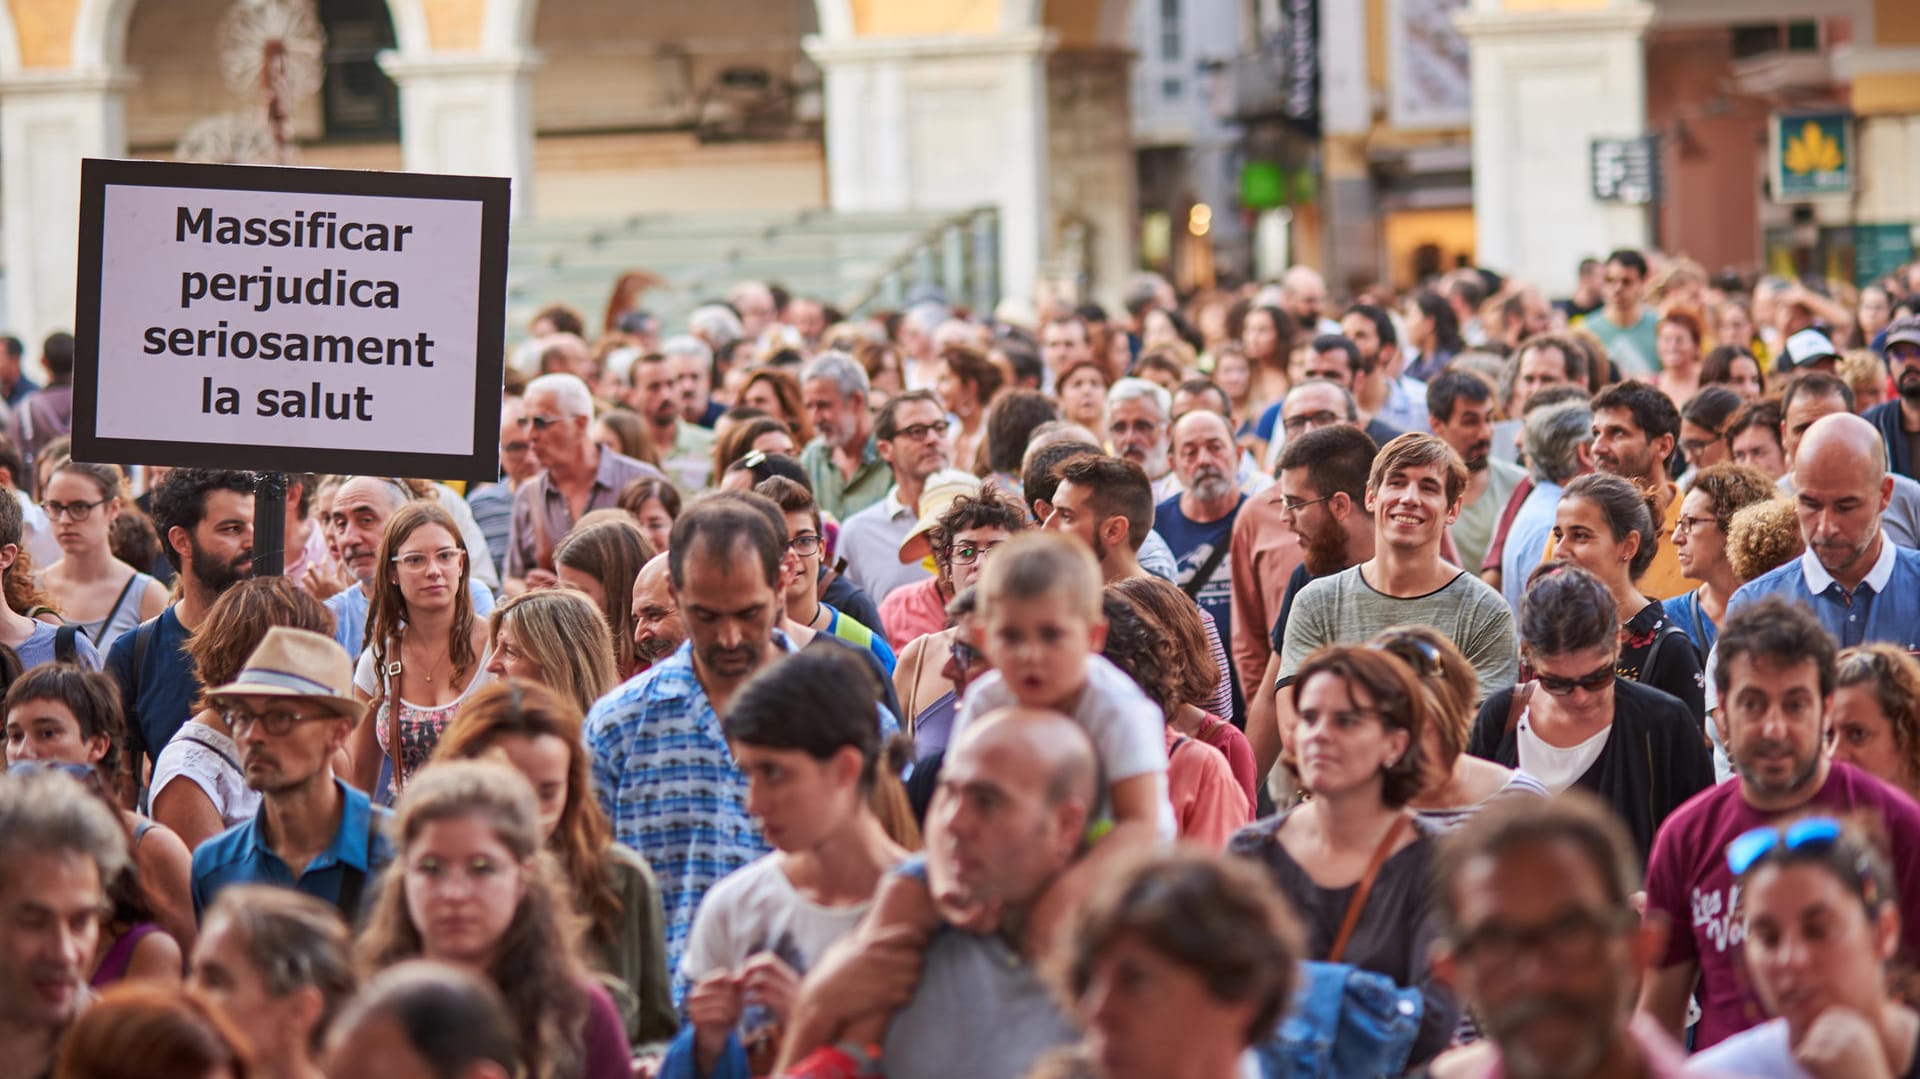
[(1731, 487), (240, 619), (1179, 636), (786, 389), (1762, 536)]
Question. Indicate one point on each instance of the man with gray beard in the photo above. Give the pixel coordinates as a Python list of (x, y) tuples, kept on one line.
[(1197, 523)]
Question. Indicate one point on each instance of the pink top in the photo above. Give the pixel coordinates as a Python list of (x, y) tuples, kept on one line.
[(1208, 804), (913, 611), (1234, 746)]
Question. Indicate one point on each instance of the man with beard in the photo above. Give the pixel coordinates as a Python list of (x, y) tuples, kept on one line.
[(1775, 676), (1198, 522), (661, 767), (843, 464), (685, 448), (1460, 411), (1323, 491), (358, 520), (1138, 412), (205, 521), (1385, 390), (1338, 360), (291, 710), (1852, 577), (1544, 944), (1635, 428), (59, 849), (1813, 397), (910, 434), (1899, 419), (657, 630)]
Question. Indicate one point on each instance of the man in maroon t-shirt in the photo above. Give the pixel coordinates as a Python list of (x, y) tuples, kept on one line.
[(1775, 675)]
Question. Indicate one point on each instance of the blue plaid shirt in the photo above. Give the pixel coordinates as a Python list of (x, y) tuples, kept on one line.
[(668, 783)]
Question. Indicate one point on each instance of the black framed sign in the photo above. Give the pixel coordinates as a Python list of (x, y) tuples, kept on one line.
[(290, 319)]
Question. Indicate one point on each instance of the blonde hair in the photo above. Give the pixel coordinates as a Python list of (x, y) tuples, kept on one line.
[(563, 634)]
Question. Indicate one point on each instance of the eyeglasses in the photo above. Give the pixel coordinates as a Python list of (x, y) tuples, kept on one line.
[(964, 554), (1598, 678), (1694, 447), (805, 546), (515, 448), (539, 421), (446, 558), (1312, 421), (276, 722), (1686, 525), (965, 656), (1573, 937), (1808, 834), (77, 511), (1290, 505), (919, 431)]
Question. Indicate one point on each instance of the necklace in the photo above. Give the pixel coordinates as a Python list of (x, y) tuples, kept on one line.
[(815, 620), (435, 669)]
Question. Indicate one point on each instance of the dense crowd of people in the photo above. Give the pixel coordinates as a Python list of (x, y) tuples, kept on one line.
[(1458, 683)]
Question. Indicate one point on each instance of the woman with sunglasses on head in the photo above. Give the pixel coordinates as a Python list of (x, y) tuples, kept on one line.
[(1458, 784), (89, 585), (1579, 722), (425, 649), (1876, 714), (1822, 925), (1607, 526)]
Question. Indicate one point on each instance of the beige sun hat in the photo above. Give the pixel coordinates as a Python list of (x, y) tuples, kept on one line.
[(942, 488), (297, 664)]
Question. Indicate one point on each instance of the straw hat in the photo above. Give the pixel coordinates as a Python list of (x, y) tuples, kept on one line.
[(942, 488), (297, 664)]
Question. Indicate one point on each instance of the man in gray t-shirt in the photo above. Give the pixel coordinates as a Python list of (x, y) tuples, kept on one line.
[(980, 1009), (1414, 492)]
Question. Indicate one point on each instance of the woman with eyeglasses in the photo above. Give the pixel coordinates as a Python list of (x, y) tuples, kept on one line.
[(961, 540), (89, 585), (1607, 526), (1823, 925), (426, 651), (1700, 544), (1703, 425), (1579, 722), (1734, 367), (472, 887), (1457, 784), (1875, 714)]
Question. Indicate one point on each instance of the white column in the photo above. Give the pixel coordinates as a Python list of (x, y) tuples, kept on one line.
[(48, 122), (1545, 84), (944, 123), (1888, 153), (468, 114)]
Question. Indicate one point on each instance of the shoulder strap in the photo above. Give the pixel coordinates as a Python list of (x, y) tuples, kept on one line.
[(354, 880), (1205, 571), (1518, 703), (114, 612), (64, 648), (1360, 891), (1667, 629)]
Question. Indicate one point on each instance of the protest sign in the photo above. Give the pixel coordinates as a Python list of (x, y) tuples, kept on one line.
[(289, 319)]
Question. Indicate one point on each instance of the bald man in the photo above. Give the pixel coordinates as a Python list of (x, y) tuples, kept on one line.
[(1009, 817), (1197, 523), (657, 631), (1861, 584)]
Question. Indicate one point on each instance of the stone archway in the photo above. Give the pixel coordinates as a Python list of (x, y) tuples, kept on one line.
[(100, 31), (508, 24)]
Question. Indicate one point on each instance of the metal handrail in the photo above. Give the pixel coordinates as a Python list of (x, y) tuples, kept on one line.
[(959, 253)]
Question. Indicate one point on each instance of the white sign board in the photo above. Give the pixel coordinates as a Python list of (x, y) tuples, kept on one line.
[(295, 320)]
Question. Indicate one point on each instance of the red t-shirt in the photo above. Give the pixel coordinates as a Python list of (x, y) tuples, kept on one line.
[(1689, 884)]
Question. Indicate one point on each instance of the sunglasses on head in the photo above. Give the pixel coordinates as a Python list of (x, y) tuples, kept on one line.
[(1808, 834)]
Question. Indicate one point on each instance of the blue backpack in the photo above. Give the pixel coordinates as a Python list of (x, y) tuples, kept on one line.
[(1346, 1023)]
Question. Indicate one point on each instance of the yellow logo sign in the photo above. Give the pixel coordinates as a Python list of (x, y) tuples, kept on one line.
[(1812, 150)]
